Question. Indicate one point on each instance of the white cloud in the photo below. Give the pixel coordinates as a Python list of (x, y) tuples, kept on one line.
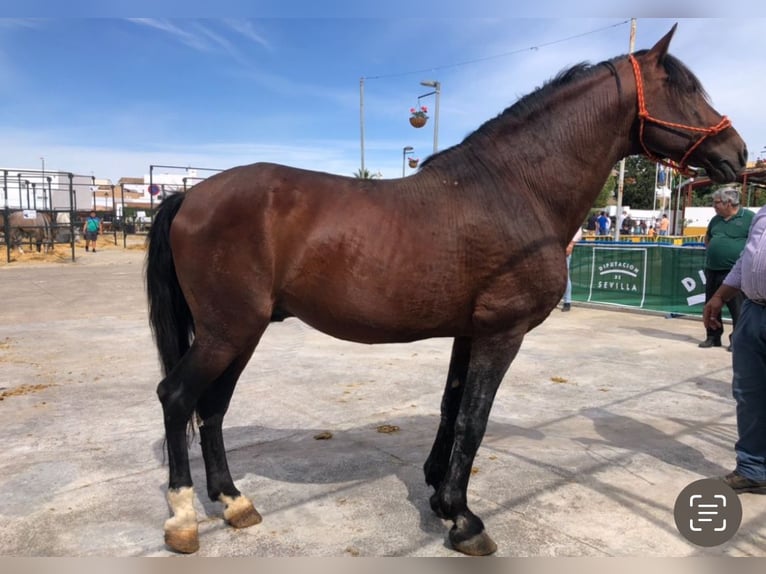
[(246, 29)]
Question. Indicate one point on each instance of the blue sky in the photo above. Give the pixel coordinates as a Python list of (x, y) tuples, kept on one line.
[(110, 96)]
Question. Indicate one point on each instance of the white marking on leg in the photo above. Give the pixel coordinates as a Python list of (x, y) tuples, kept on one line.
[(181, 502), (235, 506)]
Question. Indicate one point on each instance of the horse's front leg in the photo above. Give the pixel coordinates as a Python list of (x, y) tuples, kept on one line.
[(436, 465), (490, 357)]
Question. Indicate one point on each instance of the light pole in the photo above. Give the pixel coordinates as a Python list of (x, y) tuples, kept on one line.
[(406, 150), (42, 179), (621, 176), (437, 92)]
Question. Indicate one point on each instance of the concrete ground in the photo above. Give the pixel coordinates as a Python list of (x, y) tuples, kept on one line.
[(604, 417)]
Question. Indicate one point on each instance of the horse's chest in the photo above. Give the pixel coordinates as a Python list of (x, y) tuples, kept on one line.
[(520, 298)]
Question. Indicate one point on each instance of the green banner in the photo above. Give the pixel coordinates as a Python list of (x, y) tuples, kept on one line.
[(657, 277)]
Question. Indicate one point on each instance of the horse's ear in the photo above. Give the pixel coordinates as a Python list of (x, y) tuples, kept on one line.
[(659, 50)]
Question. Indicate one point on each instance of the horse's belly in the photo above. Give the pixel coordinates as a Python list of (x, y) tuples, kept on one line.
[(382, 321)]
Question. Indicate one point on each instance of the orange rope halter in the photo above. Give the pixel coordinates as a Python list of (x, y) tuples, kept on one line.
[(643, 116)]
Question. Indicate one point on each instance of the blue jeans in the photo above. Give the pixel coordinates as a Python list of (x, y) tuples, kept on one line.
[(568, 291), (749, 390)]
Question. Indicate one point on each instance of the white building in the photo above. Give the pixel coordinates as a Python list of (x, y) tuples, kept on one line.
[(36, 189)]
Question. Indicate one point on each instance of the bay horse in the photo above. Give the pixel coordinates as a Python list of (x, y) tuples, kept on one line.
[(37, 229), (471, 247)]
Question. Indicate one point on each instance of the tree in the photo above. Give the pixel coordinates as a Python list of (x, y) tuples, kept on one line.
[(607, 192), (638, 185), (365, 174)]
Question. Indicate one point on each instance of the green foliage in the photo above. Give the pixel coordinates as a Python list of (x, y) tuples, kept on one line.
[(638, 185), (607, 192), (638, 189), (363, 174), (752, 195), (759, 198)]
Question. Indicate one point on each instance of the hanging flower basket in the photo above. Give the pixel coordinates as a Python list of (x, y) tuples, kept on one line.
[(418, 117), (413, 161)]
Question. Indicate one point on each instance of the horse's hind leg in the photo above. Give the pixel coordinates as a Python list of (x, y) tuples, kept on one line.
[(179, 393), (490, 358), (436, 465), (211, 409)]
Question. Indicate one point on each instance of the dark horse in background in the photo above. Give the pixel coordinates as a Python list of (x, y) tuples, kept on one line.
[(38, 230), (471, 247)]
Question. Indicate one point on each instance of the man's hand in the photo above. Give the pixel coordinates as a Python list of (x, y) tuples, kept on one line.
[(712, 312)]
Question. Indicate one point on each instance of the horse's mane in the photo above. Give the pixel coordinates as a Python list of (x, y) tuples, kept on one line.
[(681, 82), (537, 100)]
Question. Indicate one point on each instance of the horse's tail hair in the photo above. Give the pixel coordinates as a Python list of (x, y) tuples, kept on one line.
[(169, 315)]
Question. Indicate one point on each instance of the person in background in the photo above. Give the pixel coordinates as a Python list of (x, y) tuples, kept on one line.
[(567, 306), (724, 241), (592, 225), (747, 277), (90, 229), (603, 224), (664, 224), (626, 225)]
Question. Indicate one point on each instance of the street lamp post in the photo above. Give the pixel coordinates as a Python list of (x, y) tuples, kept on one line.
[(42, 179), (406, 150), (26, 183), (437, 92)]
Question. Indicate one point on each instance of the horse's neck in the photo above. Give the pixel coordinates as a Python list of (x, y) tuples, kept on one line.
[(564, 156), (592, 137)]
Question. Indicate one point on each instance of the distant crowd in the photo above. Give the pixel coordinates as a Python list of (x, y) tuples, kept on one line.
[(602, 224)]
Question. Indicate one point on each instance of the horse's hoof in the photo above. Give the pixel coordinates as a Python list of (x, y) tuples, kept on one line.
[(240, 512), (185, 541), (478, 545)]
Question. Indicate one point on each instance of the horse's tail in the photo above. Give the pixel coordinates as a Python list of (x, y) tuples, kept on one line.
[(169, 315)]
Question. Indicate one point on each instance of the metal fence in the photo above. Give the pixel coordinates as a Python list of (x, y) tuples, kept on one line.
[(62, 197)]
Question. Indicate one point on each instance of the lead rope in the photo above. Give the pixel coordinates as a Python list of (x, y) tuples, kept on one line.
[(644, 116)]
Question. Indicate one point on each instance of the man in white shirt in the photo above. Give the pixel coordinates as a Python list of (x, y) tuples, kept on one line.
[(748, 357)]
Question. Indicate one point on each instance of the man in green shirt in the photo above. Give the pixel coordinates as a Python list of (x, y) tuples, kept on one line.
[(724, 241)]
